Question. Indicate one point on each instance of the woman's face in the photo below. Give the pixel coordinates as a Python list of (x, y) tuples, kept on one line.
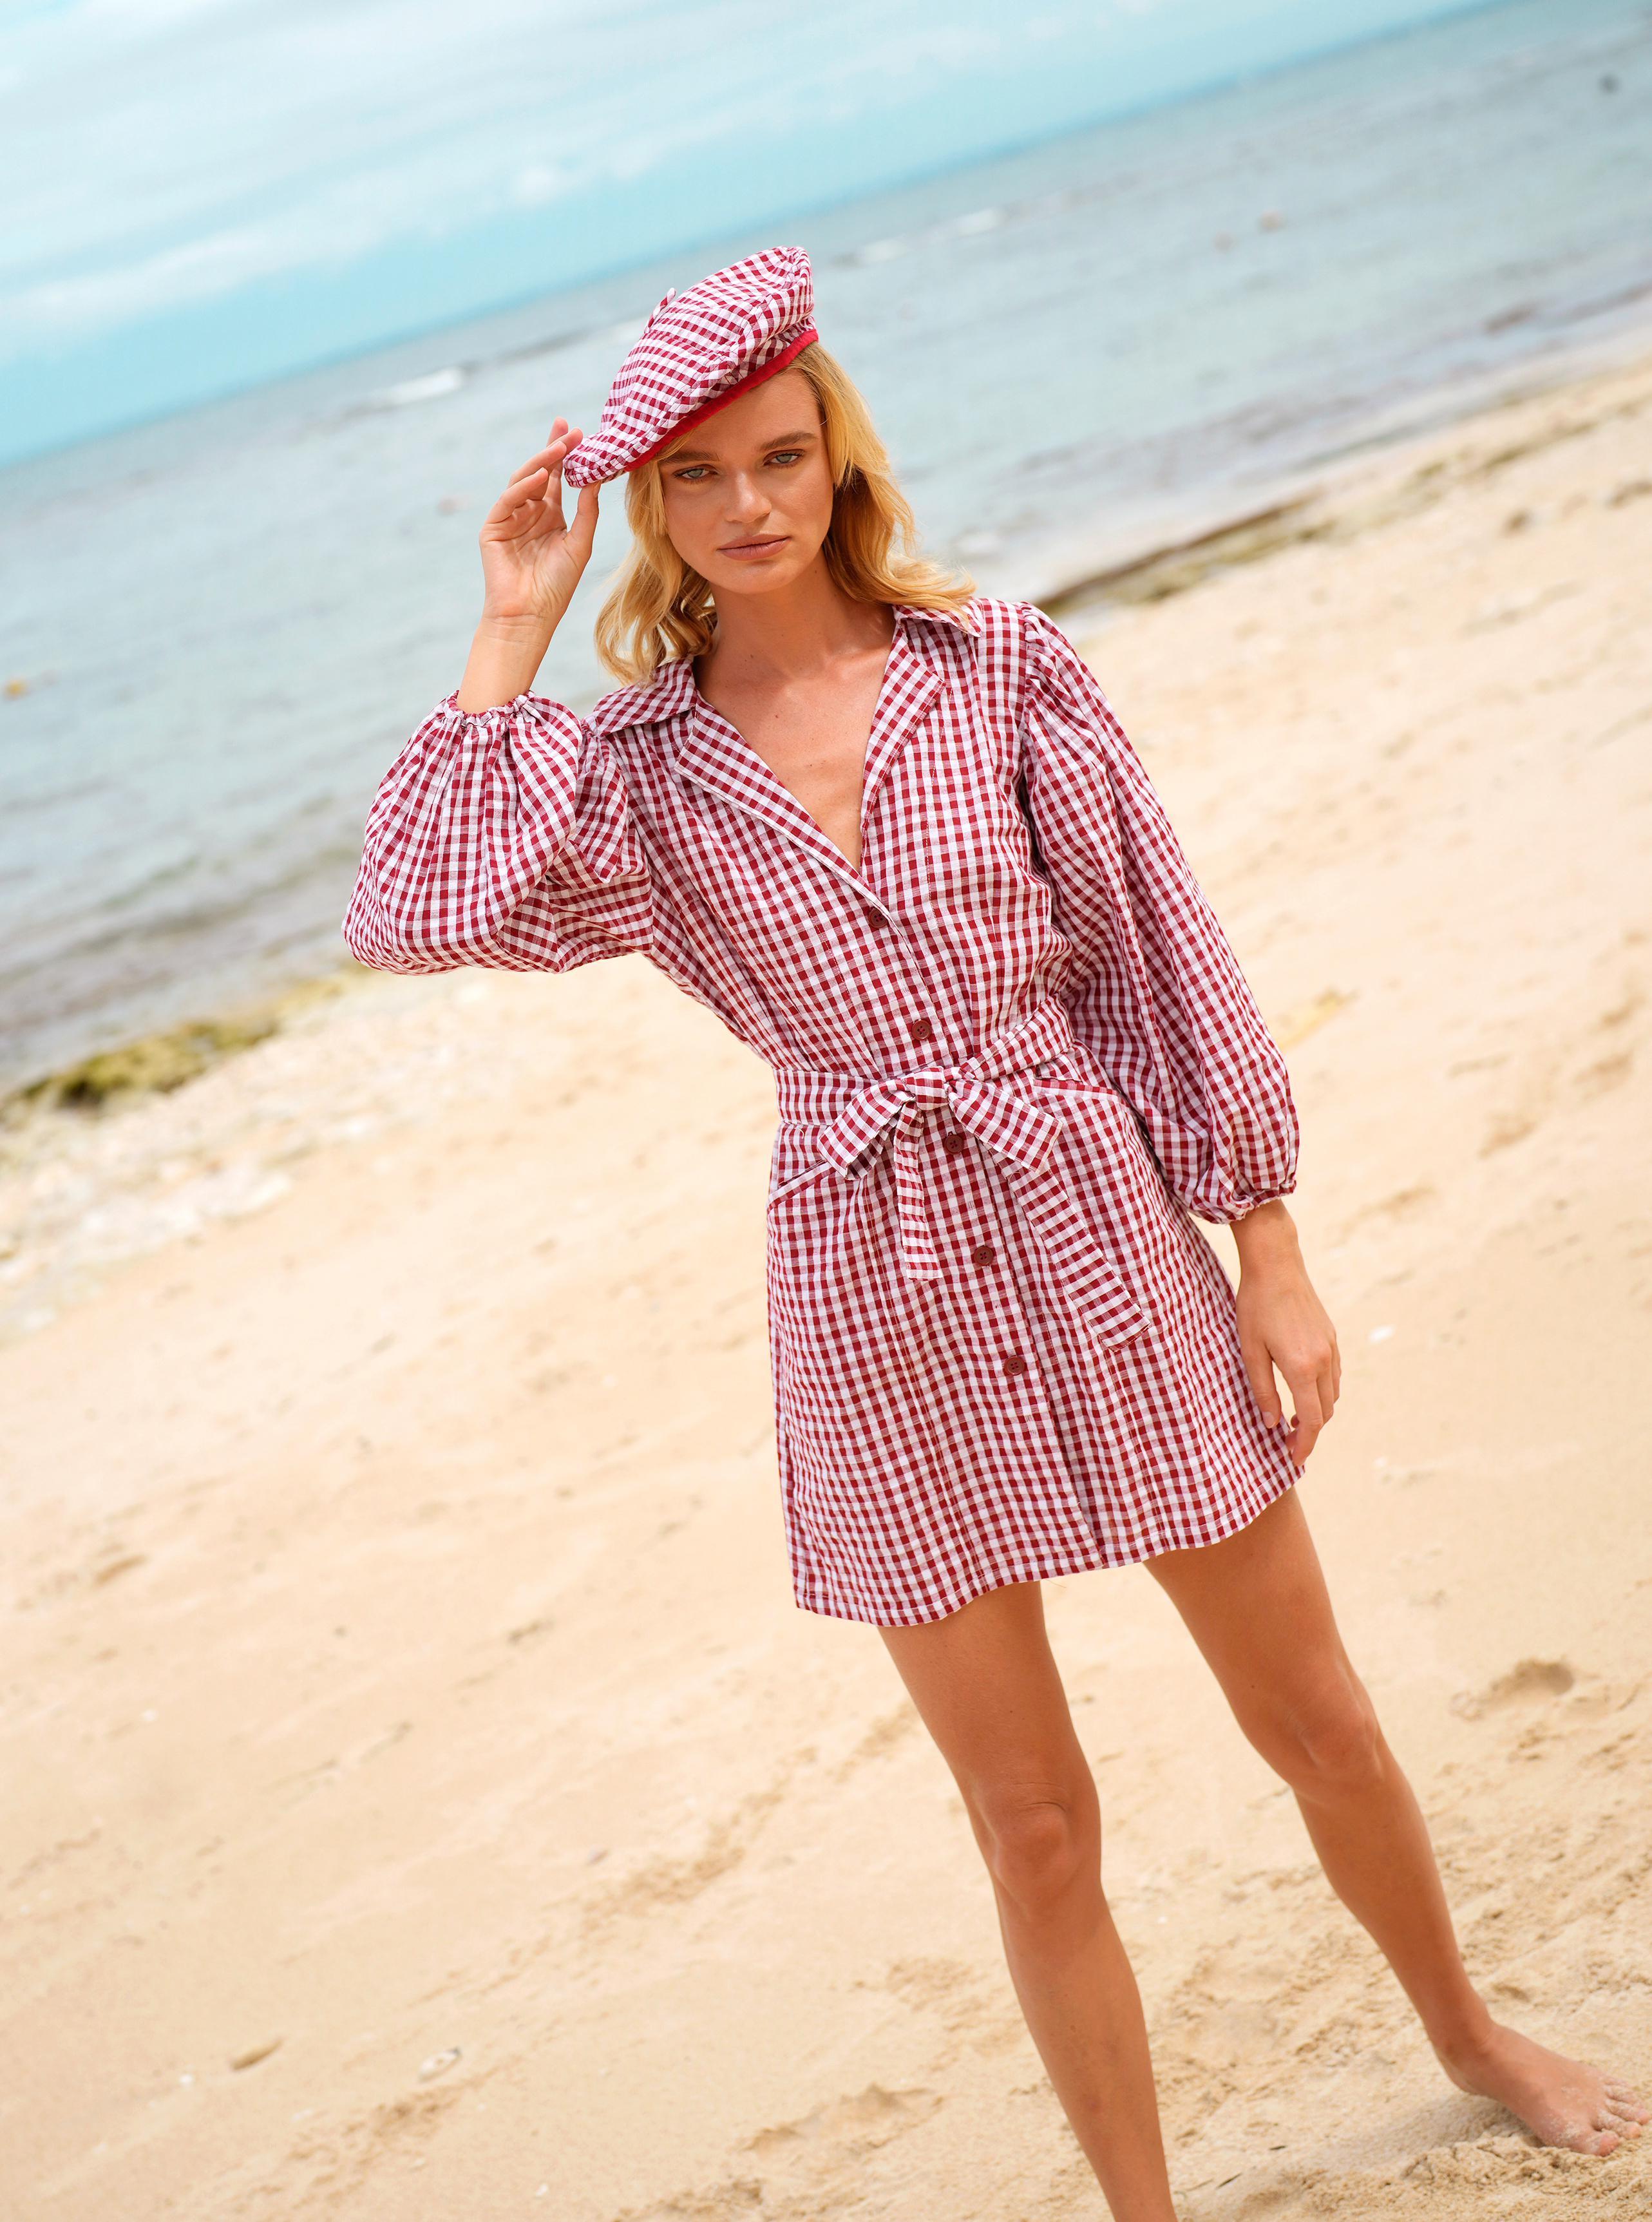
[(748, 495)]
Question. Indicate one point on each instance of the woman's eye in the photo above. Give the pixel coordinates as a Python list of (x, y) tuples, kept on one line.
[(787, 455), (691, 474)]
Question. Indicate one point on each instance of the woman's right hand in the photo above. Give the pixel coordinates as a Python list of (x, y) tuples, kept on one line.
[(531, 557)]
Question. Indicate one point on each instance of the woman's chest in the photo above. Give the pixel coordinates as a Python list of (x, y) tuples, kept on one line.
[(813, 740), (945, 852)]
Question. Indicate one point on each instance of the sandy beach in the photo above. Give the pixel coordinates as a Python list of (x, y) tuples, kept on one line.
[(423, 1798)]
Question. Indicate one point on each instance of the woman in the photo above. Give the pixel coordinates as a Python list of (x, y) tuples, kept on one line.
[(891, 834)]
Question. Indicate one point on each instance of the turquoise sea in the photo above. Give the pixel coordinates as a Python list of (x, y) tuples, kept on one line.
[(222, 626)]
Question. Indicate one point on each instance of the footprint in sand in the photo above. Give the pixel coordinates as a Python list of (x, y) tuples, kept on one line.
[(854, 2124), (828, 2145), (1529, 1683)]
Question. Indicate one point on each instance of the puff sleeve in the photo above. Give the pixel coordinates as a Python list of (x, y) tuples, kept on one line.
[(505, 838), (1157, 996)]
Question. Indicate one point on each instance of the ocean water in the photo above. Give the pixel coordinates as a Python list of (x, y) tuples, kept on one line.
[(225, 623)]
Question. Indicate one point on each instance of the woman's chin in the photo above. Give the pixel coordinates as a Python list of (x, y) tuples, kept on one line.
[(759, 575)]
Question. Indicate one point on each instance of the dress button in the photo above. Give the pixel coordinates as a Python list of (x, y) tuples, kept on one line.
[(921, 1030), (983, 1254), (953, 1143), (873, 918), (1014, 1365)]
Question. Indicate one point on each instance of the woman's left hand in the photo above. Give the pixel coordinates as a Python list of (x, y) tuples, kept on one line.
[(1283, 1325)]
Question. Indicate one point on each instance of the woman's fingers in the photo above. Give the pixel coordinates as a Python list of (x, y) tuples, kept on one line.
[(538, 482), (536, 486), (1259, 1368), (547, 466), (1314, 1387), (1312, 1376), (521, 493), (558, 453), (583, 530), (1283, 1326), (563, 438), (542, 455), (1310, 1418)]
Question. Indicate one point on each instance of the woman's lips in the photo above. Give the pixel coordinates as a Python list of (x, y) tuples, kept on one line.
[(751, 548)]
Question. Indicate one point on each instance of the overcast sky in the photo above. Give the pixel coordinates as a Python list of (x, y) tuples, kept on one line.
[(201, 194)]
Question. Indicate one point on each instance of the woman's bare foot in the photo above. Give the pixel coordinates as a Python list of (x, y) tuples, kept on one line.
[(1562, 2102)]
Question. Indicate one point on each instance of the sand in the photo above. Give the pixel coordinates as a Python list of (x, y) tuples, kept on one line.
[(423, 1798)]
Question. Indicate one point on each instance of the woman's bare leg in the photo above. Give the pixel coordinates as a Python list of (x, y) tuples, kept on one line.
[(989, 1694), (1257, 1607)]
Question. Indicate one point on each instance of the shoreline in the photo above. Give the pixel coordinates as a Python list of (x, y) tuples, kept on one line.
[(1378, 478)]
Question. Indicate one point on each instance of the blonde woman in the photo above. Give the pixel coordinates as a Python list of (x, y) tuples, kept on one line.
[(890, 832)]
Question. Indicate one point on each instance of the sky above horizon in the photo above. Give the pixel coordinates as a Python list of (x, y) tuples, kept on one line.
[(203, 194)]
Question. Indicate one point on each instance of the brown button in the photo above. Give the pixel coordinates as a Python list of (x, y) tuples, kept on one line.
[(953, 1143), (983, 1254), (1015, 1363), (921, 1030), (873, 918)]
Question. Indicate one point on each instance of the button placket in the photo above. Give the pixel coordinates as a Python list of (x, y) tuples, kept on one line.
[(912, 999), (955, 1143), (988, 1251)]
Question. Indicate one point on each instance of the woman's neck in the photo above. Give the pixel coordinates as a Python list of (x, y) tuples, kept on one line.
[(789, 634)]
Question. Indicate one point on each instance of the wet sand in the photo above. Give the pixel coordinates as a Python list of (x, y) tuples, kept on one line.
[(422, 1797)]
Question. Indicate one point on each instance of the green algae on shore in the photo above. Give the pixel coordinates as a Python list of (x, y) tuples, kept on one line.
[(156, 1064)]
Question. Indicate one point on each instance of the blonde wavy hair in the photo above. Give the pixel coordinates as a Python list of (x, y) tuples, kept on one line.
[(658, 608)]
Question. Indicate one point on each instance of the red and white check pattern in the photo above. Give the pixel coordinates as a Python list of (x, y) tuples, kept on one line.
[(1013, 1051), (697, 351)]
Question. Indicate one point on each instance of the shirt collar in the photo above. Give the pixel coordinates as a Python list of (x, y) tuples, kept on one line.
[(672, 691), (667, 694)]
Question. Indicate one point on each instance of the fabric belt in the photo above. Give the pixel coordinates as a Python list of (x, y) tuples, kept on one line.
[(983, 1096)]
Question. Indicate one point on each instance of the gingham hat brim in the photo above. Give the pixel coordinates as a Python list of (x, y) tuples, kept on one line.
[(698, 352)]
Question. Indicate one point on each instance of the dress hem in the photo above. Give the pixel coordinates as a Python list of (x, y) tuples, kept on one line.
[(1261, 1496)]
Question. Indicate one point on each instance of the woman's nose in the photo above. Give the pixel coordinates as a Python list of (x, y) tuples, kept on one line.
[(747, 500)]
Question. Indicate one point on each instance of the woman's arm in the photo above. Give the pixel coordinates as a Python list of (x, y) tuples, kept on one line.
[(503, 833), (1156, 995), (1165, 1010), (1283, 1324), (531, 562)]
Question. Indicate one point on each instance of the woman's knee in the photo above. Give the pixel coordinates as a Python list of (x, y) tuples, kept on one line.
[(1039, 1842), (1328, 1743)]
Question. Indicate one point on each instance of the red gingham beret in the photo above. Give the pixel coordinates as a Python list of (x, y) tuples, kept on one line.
[(699, 351)]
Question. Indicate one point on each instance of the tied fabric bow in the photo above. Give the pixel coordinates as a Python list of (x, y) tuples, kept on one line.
[(983, 1098)]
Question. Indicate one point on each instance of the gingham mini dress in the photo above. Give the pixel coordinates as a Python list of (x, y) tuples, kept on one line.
[(1013, 1051)]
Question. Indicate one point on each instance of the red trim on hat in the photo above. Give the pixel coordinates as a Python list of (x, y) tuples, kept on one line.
[(807, 337)]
